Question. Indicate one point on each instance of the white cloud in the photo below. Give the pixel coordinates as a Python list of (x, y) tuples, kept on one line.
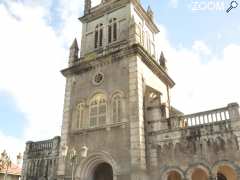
[(33, 53), (14, 148), (201, 86), (70, 11), (173, 3), (201, 48), (30, 61), (96, 2)]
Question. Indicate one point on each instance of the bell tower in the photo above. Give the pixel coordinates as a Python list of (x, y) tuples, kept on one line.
[(114, 87)]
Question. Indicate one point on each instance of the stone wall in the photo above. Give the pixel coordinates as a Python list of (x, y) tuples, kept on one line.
[(207, 141), (41, 159)]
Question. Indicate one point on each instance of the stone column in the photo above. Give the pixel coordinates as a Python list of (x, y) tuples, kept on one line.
[(154, 125), (233, 109), (25, 165), (234, 116), (132, 32), (137, 134), (65, 125)]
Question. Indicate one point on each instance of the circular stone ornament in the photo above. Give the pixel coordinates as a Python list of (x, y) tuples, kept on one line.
[(98, 78)]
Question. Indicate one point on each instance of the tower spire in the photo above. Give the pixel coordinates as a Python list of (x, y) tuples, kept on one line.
[(162, 61), (74, 49), (150, 13)]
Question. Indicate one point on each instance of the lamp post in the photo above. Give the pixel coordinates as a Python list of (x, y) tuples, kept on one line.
[(19, 159), (73, 155), (5, 163)]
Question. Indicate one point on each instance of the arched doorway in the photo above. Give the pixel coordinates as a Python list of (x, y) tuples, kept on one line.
[(199, 174), (220, 176), (174, 175), (103, 172), (226, 173)]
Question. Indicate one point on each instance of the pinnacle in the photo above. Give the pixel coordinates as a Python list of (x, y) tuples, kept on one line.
[(162, 61), (74, 44)]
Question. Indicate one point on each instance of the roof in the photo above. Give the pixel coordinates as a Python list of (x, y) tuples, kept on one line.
[(13, 170)]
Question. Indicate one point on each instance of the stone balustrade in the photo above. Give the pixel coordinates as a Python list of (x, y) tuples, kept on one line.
[(222, 115), (41, 146)]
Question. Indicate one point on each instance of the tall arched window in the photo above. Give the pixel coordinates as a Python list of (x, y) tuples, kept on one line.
[(112, 30), (116, 108), (80, 115), (98, 37), (98, 110)]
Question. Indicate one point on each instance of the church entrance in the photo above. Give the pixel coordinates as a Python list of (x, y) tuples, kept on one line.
[(103, 172)]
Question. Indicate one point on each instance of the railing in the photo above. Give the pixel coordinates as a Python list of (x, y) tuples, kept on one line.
[(41, 146), (231, 112), (206, 117)]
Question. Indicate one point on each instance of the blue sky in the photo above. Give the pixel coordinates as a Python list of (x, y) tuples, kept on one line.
[(202, 47), (185, 23), (10, 116)]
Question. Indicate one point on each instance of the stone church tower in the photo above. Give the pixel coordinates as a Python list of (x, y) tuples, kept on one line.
[(118, 123), (109, 87)]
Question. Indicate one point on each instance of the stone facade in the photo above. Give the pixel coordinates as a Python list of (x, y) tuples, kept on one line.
[(40, 159), (117, 111)]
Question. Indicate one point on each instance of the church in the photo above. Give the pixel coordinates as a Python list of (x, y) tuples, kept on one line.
[(118, 122)]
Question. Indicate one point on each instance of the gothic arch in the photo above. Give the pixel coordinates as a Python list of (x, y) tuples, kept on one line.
[(120, 92), (117, 108), (86, 167), (200, 168), (167, 172), (227, 168), (79, 115), (94, 93)]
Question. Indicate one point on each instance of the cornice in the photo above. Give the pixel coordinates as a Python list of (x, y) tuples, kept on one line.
[(81, 66), (102, 9), (153, 65)]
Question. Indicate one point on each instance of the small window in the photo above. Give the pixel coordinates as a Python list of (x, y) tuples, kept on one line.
[(96, 38), (101, 37), (115, 31), (116, 108), (80, 116), (112, 30), (109, 34)]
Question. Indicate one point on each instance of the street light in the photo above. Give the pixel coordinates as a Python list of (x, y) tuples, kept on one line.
[(19, 159), (5, 163), (73, 155)]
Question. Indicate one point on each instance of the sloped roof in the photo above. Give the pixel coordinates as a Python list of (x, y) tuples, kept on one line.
[(13, 170)]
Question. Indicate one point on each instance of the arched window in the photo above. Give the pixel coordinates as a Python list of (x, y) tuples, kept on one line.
[(116, 108), (98, 110), (80, 115), (98, 36), (112, 30)]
